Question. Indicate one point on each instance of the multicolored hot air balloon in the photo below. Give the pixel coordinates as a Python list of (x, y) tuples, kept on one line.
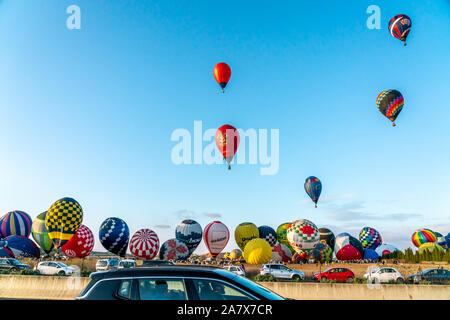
[(189, 232), (227, 141), (81, 244), (400, 26), (370, 238), (222, 74), (348, 247), (267, 233), (282, 235), (63, 220), (385, 249), (257, 251), (40, 233), (245, 232), (422, 236), (216, 236), (144, 244), (327, 236), (173, 249), (303, 235), (370, 254), (280, 252), (114, 236), (313, 188), (22, 247), (390, 103), (321, 253), (15, 223)]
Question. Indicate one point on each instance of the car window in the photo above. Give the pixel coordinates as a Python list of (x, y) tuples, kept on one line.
[(276, 267), (113, 263), (104, 290), (2, 261), (217, 290), (285, 268), (124, 289), (101, 263), (162, 289)]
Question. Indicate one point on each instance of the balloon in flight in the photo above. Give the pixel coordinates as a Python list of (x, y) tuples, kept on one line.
[(222, 74), (313, 188), (400, 26), (390, 103), (227, 141)]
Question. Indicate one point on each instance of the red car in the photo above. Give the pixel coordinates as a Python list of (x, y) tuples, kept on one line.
[(335, 274)]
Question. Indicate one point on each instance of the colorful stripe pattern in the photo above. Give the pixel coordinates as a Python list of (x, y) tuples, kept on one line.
[(400, 26), (390, 103), (422, 236), (144, 244), (15, 223)]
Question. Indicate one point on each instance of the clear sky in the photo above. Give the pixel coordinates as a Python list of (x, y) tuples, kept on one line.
[(89, 113)]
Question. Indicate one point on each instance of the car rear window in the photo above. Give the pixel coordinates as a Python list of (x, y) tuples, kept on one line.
[(104, 290), (102, 263)]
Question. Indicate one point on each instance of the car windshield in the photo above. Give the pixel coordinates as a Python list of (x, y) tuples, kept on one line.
[(101, 263), (60, 264), (113, 263), (14, 262)]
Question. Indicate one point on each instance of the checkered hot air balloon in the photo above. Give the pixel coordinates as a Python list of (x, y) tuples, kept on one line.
[(80, 245), (267, 233), (63, 220), (173, 249), (370, 238), (303, 235), (189, 232), (15, 223), (422, 236), (321, 253), (144, 244), (280, 252), (40, 233), (114, 235)]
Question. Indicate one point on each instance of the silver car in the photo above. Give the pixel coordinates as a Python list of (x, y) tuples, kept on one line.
[(107, 265), (280, 271)]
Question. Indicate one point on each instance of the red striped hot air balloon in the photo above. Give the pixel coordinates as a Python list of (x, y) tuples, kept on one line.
[(216, 236), (222, 74)]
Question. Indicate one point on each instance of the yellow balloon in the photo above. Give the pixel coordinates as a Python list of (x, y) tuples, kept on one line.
[(235, 254), (257, 251), (430, 246), (245, 232)]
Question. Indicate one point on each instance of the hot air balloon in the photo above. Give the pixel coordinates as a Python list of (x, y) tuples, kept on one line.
[(299, 257), (81, 244), (114, 236), (189, 232), (370, 254), (430, 246), (144, 244), (40, 233), (400, 26), (282, 235), (235, 254), (303, 235), (173, 249), (422, 236), (390, 103), (385, 249), (5, 252), (440, 240), (227, 141), (321, 252), (313, 188), (280, 252), (216, 236), (222, 74), (268, 234), (370, 238), (257, 251), (22, 247), (63, 220), (348, 247), (245, 232), (447, 239), (15, 223), (327, 236)]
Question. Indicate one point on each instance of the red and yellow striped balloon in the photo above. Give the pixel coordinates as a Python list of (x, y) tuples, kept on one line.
[(422, 236)]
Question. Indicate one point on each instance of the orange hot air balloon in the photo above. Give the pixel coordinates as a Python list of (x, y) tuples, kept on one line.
[(222, 74), (227, 141)]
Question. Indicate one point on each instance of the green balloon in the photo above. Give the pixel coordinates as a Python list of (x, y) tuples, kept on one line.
[(40, 233)]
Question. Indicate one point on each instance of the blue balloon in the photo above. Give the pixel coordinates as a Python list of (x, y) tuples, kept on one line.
[(447, 238), (190, 233), (22, 247), (267, 233), (114, 236), (370, 254), (313, 188)]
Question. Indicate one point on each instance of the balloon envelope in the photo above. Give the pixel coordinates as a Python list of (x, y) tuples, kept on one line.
[(370, 254), (267, 233), (430, 246), (313, 188), (257, 251), (235, 254), (303, 235), (81, 244), (227, 141), (370, 238), (144, 244), (15, 223), (173, 249), (390, 103), (385, 249), (282, 235), (321, 252), (216, 236), (189, 232), (114, 236), (245, 232), (280, 252), (40, 233), (327, 236), (222, 74), (400, 26), (22, 247), (348, 247), (422, 236)]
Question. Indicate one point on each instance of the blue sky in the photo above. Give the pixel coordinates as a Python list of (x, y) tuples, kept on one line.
[(89, 113)]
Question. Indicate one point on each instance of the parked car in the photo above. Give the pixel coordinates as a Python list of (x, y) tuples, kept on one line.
[(236, 270), (107, 265), (157, 262), (335, 274), (53, 267), (12, 265), (127, 263), (431, 275), (384, 275), (281, 271), (173, 283)]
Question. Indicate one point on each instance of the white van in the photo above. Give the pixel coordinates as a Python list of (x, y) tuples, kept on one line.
[(127, 263)]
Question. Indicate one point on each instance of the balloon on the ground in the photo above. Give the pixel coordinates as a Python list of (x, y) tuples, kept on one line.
[(22, 247), (245, 232), (267, 233), (313, 188), (15, 223), (447, 238), (235, 254), (321, 252), (144, 244), (40, 233), (222, 74), (282, 235), (63, 220), (280, 252), (81, 244), (385, 249), (216, 236), (114, 235), (430, 246), (5, 252), (327, 236), (189, 232), (422, 236), (440, 239), (370, 238), (370, 254), (298, 257), (390, 103), (173, 249), (257, 251), (400, 26), (227, 141), (303, 235), (348, 247)]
